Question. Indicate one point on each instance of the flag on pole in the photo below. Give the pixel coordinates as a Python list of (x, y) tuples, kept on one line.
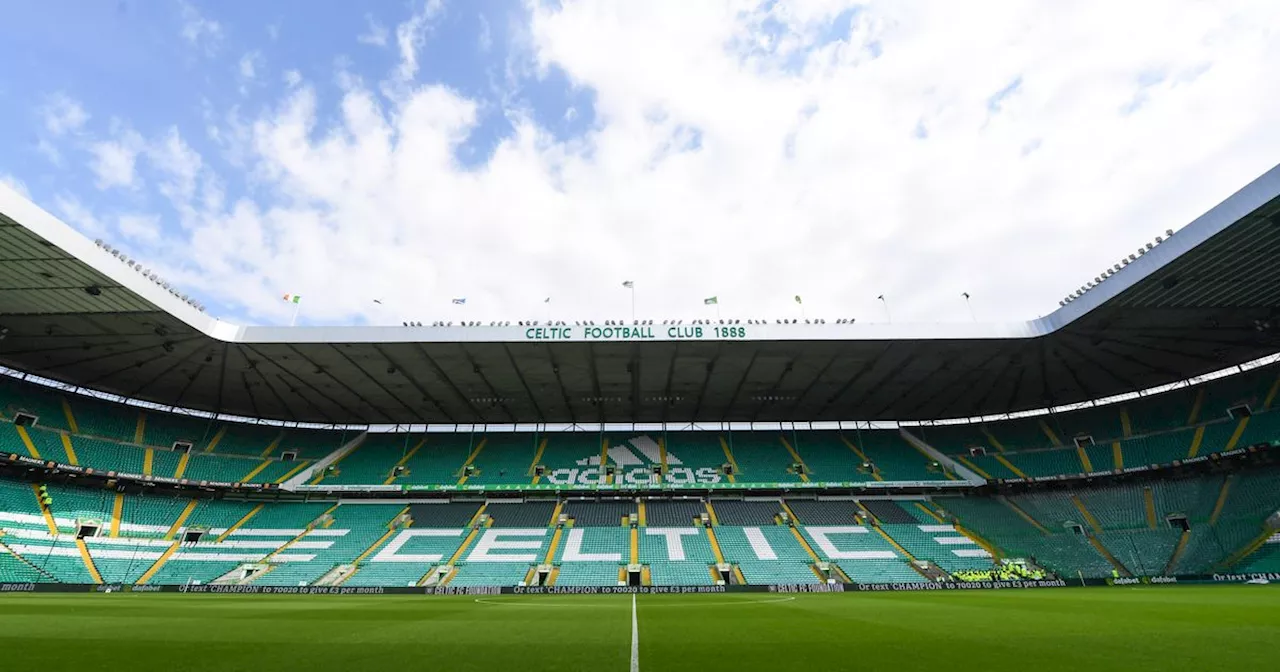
[(711, 301), (629, 284), (881, 297), (547, 300), (459, 302), (798, 299), (293, 298)]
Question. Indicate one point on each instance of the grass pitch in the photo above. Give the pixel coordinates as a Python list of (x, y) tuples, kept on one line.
[(1148, 628)]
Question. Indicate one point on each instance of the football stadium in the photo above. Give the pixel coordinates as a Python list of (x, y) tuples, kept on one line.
[(626, 493), (1094, 489)]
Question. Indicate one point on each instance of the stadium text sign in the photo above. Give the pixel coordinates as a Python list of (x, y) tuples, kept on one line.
[(635, 333)]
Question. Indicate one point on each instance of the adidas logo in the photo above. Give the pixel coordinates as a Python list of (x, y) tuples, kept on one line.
[(634, 460)]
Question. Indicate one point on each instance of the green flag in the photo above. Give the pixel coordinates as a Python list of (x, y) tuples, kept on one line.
[(798, 299), (711, 301)]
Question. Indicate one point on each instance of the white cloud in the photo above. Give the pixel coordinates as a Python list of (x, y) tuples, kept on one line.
[(749, 152), (142, 229), (376, 34), (412, 34), (199, 31), (485, 41), (292, 78), (15, 184), (114, 161), (249, 64), (62, 115), (248, 68), (78, 215), (178, 164)]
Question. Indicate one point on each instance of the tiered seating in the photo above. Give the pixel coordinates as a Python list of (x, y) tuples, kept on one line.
[(587, 574), (440, 459), (59, 558), (697, 450), (1064, 553), (1117, 507), (1253, 496), (565, 451), (895, 459), (990, 465), (1190, 497), (14, 570), (766, 555), (18, 507), (1265, 559), (1157, 448), (446, 515), (598, 514), (217, 515), (74, 504), (111, 456), (164, 429), (355, 527), (1053, 509), (746, 512), (527, 514), (889, 511), (42, 402), (489, 574), (594, 541), (661, 513), (939, 544), (828, 458), (311, 444), (219, 468), (104, 419), (1209, 545), (667, 567), (404, 559), (761, 457), (1144, 552), (862, 553), (124, 560), (505, 459), (373, 460), (814, 512), (49, 444), (147, 516), (1047, 462), (680, 574)]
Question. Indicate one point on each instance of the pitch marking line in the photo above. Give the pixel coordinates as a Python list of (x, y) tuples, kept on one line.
[(657, 605), (635, 637)]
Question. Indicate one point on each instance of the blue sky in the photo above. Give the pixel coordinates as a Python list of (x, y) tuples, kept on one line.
[(508, 151)]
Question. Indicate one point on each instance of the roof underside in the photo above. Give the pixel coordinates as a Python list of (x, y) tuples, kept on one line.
[(1199, 313)]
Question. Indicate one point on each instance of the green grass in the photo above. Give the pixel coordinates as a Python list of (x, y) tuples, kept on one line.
[(1148, 628)]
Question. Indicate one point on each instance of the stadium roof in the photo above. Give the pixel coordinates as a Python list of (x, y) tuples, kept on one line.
[(1206, 299)]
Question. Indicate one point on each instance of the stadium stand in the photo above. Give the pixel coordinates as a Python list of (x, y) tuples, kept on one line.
[(598, 514), (523, 515), (826, 512), (746, 512), (673, 513), (592, 556)]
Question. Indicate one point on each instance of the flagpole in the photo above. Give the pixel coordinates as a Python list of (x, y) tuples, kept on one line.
[(294, 320), (633, 301), (888, 316), (969, 305)]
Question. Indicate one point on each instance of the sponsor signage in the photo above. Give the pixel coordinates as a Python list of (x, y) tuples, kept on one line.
[(637, 333)]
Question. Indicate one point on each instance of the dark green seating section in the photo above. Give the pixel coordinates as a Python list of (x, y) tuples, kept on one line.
[(1142, 543), (598, 514)]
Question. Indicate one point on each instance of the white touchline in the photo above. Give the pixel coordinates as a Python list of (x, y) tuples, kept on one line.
[(635, 637)]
